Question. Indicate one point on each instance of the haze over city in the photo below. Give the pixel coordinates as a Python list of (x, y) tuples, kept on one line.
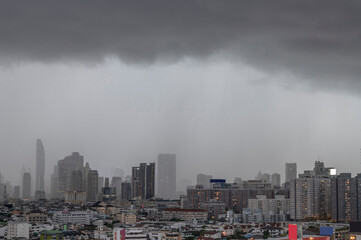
[(230, 88)]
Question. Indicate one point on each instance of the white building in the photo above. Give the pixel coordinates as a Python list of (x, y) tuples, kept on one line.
[(184, 214), (278, 205), (18, 230), (103, 233), (75, 197), (76, 217)]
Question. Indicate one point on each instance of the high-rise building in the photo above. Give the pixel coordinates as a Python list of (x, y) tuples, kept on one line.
[(146, 180), (54, 183), (117, 184), (167, 176), (92, 185), (2, 192), (344, 197), (310, 194), (205, 180), (40, 166), (135, 182), (16, 194), (143, 181), (291, 171), (100, 184), (65, 168), (276, 180), (26, 185), (126, 191), (106, 182), (77, 181)]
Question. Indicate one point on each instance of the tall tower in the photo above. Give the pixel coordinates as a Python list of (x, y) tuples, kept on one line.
[(92, 185), (167, 176), (291, 171), (146, 180), (40, 166), (26, 185), (65, 168)]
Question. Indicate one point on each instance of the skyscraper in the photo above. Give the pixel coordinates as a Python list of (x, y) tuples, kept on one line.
[(77, 181), (106, 182), (276, 180), (40, 166), (126, 191), (291, 171), (135, 182), (344, 197), (143, 181), (167, 176), (92, 185), (65, 168), (100, 184), (310, 198), (117, 184), (26, 185), (54, 183), (146, 180)]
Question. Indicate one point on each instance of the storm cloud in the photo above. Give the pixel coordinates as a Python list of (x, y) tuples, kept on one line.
[(316, 41)]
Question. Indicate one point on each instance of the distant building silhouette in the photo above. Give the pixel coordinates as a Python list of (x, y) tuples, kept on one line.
[(54, 183), (92, 185), (135, 182), (167, 176), (26, 185), (117, 184), (65, 168), (40, 166), (77, 181), (16, 194), (106, 182), (126, 191), (291, 171), (276, 180), (100, 184), (205, 180)]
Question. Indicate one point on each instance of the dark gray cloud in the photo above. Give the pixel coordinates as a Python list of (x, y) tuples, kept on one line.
[(318, 41)]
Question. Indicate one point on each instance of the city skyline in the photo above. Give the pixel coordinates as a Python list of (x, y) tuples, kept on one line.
[(40, 151), (180, 120)]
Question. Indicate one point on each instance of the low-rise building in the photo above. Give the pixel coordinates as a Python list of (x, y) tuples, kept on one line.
[(18, 230), (74, 217), (36, 216), (53, 235), (75, 197), (127, 217), (103, 233), (184, 214)]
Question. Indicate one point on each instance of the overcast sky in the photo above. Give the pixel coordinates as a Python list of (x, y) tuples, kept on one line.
[(230, 87)]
